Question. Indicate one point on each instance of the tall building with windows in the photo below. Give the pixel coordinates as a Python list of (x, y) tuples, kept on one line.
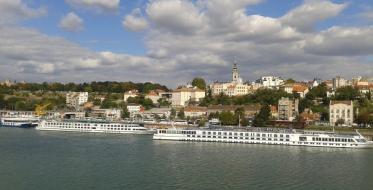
[(341, 112), (339, 82), (287, 109), (234, 88), (76, 99)]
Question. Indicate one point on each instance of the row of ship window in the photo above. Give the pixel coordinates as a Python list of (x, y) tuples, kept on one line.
[(87, 124), (230, 137), (300, 143), (332, 139), (110, 128), (245, 134)]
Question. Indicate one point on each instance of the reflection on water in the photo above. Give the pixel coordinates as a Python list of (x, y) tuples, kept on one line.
[(33, 159)]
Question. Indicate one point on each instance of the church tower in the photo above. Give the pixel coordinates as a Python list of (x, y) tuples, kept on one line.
[(235, 74)]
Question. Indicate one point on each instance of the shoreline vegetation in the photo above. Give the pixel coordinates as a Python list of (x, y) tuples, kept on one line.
[(109, 95)]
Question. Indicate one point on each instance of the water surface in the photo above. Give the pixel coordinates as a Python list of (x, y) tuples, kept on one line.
[(31, 159)]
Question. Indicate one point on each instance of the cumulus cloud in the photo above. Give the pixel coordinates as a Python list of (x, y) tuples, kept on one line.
[(185, 39), (14, 10), (178, 16), (310, 12), (135, 21), (98, 6), (342, 41), (71, 22)]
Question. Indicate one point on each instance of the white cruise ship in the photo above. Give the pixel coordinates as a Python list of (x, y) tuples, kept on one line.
[(93, 126), (21, 122), (266, 136)]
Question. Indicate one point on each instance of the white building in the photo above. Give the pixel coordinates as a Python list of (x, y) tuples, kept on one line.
[(154, 95), (76, 99), (135, 109), (131, 93), (341, 110), (234, 88), (339, 82), (271, 81), (182, 96), (157, 111), (111, 114)]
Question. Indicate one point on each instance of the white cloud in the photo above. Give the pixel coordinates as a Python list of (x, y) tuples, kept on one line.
[(98, 6), (310, 12), (178, 16), (14, 10), (135, 21), (342, 41), (71, 22), (185, 39)]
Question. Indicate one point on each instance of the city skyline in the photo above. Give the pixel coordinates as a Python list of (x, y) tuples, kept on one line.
[(159, 40)]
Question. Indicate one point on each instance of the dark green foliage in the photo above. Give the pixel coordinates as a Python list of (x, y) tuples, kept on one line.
[(289, 81), (108, 86), (125, 113), (163, 102), (173, 113), (227, 118), (262, 118), (181, 114), (146, 102), (199, 83), (347, 93)]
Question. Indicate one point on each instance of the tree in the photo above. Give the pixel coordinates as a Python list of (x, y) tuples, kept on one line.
[(147, 103), (262, 118), (107, 103), (289, 81), (125, 112), (2, 101), (163, 102), (173, 113), (199, 83), (347, 93), (240, 116), (227, 118), (181, 114), (305, 103)]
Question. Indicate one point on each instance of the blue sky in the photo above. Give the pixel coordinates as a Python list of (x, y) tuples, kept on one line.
[(172, 41), (105, 32)]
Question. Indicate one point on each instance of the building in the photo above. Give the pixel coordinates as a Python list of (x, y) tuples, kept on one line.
[(155, 95), (161, 112), (135, 109), (110, 114), (73, 115), (234, 88), (301, 90), (339, 82), (298, 88), (184, 95), (7, 83), (195, 111), (131, 93), (341, 112), (329, 84), (76, 99), (271, 82), (287, 109)]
